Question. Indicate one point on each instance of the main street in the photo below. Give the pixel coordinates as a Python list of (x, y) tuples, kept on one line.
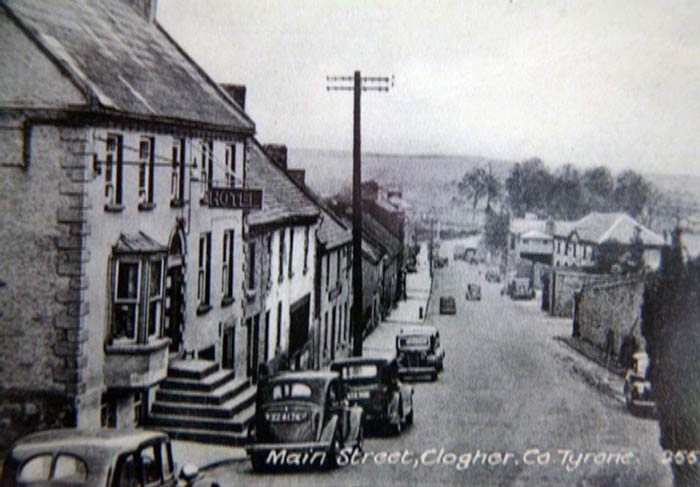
[(510, 390)]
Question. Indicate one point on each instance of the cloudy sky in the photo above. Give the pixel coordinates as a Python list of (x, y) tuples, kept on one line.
[(588, 81)]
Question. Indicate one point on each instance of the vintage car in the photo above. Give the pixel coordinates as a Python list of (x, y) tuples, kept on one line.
[(473, 292), (373, 384), (302, 419), (110, 458), (519, 288), (447, 305), (637, 389), (419, 352), (493, 275)]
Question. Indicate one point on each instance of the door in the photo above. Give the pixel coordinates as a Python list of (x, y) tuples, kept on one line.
[(175, 307), (228, 356)]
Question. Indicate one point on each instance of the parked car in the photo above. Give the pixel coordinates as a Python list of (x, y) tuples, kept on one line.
[(447, 305), (473, 292), (111, 458), (637, 389), (302, 415), (493, 275), (374, 385), (519, 288), (419, 352)]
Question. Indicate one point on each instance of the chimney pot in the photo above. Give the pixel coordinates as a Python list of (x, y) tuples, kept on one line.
[(237, 92), (278, 154), (146, 8)]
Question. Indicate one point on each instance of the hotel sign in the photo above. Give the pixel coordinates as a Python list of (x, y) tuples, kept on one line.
[(234, 198)]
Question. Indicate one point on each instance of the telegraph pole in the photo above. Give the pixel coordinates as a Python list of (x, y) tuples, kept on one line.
[(359, 84)]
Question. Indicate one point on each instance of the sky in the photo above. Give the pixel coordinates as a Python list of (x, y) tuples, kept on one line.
[(588, 82)]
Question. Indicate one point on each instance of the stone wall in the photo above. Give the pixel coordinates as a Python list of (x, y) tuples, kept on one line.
[(609, 315), (562, 286)]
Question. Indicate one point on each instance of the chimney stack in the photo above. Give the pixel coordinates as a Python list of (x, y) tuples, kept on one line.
[(278, 154), (145, 8), (237, 92)]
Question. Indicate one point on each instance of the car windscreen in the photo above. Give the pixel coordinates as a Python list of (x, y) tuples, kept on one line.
[(359, 372), (414, 341), (290, 390)]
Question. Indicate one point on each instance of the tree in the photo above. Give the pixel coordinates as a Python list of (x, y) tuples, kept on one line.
[(494, 187), (566, 199), (598, 187), (473, 186), (631, 192), (528, 187), (496, 231)]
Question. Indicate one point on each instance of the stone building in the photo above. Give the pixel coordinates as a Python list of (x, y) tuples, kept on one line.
[(122, 201)]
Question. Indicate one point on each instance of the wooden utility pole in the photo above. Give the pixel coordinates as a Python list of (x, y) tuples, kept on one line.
[(359, 84)]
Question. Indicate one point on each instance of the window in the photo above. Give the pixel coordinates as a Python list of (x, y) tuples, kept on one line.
[(575, 245), (269, 261), (325, 332), (36, 469), (152, 466), (347, 323), (230, 164), (207, 163), (177, 172), (227, 266), (251, 265), (558, 246), (359, 371), (126, 300), (113, 170), (267, 336), (203, 271), (295, 390), (126, 474), (337, 267), (328, 270), (281, 256), (140, 407), (69, 468), (306, 249), (279, 325), (585, 249), (146, 170), (155, 298), (291, 252), (108, 412)]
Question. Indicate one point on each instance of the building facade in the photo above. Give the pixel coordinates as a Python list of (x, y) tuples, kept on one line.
[(122, 201)]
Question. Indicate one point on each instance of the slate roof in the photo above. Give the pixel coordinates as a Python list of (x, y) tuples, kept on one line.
[(283, 200), (331, 233), (608, 227), (522, 225), (122, 62), (380, 235), (536, 234), (372, 251), (138, 243)]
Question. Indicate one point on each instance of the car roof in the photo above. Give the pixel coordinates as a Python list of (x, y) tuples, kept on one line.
[(105, 441), (363, 360), (306, 375), (418, 330)]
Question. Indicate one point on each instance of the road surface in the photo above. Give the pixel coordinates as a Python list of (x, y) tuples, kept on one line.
[(513, 407)]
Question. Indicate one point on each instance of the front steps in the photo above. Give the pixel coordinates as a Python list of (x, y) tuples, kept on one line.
[(200, 402)]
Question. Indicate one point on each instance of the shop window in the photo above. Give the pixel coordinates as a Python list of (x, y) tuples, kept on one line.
[(137, 305)]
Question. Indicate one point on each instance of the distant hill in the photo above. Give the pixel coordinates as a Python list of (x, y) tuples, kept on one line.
[(425, 179)]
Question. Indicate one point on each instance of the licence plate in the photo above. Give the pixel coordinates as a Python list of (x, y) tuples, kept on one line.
[(286, 416), (356, 395)]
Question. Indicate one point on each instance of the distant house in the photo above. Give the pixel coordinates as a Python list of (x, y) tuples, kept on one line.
[(577, 244)]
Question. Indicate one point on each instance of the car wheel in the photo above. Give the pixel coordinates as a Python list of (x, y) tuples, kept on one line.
[(409, 417), (332, 461), (434, 376), (258, 463), (629, 399), (396, 428)]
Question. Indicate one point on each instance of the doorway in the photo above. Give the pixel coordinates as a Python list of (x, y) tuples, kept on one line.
[(228, 352), (175, 294)]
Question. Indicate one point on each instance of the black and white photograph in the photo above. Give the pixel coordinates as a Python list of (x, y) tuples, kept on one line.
[(353, 243)]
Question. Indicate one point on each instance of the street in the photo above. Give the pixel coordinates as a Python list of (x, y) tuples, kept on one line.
[(514, 406)]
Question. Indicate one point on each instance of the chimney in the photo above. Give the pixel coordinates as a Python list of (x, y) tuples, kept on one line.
[(298, 175), (278, 154), (145, 8), (237, 92)]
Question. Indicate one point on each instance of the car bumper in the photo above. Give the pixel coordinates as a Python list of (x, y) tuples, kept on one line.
[(416, 371)]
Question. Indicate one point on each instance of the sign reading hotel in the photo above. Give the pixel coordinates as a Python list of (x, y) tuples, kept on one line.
[(234, 198)]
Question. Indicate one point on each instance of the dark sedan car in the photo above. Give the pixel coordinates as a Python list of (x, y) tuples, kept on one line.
[(373, 384), (473, 292), (107, 458), (447, 305), (303, 420), (419, 352)]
